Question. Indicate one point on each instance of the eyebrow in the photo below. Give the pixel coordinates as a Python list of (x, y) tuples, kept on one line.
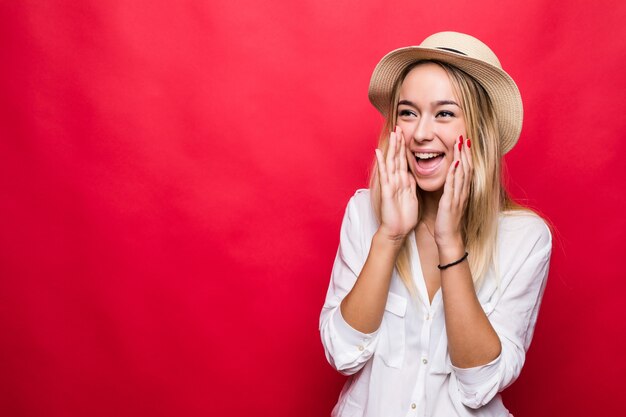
[(436, 103)]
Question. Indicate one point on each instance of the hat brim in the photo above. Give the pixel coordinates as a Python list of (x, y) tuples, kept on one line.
[(502, 90)]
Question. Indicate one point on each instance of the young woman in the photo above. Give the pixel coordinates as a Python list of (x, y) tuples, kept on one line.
[(439, 275)]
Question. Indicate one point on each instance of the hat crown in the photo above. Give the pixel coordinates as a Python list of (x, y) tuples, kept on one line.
[(462, 44)]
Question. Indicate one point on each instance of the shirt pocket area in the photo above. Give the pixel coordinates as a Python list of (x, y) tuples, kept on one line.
[(392, 338), (441, 364)]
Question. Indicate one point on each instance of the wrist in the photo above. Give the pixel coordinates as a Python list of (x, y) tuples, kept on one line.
[(392, 242), (458, 261), (450, 250)]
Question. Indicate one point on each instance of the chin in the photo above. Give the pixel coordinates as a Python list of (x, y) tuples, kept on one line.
[(430, 185)]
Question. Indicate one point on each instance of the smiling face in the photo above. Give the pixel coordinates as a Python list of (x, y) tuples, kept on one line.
[(431, 118)]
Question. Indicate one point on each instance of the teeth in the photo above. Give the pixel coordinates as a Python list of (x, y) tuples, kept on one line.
[(426, 155)]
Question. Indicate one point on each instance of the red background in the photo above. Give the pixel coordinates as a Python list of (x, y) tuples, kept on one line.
[(173, 176)]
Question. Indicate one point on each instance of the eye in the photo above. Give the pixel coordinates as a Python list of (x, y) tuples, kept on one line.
[(445, 113), (406, 113)]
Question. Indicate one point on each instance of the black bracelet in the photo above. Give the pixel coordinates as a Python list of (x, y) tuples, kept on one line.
[(453, 263)]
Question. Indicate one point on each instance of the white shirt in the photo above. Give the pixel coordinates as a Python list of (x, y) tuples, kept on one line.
[(403, 368)]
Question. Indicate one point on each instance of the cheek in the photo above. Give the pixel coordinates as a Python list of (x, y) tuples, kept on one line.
[(453, 138), (406, 126)]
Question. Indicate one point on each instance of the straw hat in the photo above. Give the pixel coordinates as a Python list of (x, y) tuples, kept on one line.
[(471, 56)]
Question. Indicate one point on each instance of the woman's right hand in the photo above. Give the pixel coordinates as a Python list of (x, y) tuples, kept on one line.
[(398, 206)]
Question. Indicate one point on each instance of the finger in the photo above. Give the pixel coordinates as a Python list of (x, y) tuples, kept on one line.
[(448, 186), (467, 172), (399, 146), (380, 164), (412, 185), (403, 153), (459, 173), (469, 154), (404, 174), (459, 178), (391, 154), (396, 157), (396, 131)]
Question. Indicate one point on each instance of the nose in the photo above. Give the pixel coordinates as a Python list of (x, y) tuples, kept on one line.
[(424, 130)]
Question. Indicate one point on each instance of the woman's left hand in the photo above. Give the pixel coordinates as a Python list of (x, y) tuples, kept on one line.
[(448, 225)]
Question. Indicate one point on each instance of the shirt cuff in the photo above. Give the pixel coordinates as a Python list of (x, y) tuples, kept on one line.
[(478, 384), (349, 335)]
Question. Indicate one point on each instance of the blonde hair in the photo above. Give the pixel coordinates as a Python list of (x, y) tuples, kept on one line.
[(487, 197)]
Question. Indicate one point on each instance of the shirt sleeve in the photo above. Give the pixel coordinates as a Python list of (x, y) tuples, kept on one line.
[(514, 314), (347, 349)]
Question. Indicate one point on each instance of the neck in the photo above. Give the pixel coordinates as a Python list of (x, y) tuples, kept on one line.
[(430, 205)]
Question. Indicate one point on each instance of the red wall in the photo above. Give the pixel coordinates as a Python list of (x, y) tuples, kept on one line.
[(173, 176)]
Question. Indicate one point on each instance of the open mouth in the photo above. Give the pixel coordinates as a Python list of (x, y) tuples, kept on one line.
[(428, 160)]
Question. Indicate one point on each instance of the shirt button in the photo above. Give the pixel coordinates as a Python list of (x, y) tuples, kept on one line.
[(361, 348), (413, 406), (424, 361)]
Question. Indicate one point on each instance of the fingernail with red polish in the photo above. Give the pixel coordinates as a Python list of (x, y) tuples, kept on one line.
[(469, 143), (461, 139), (457, 164), (460, 146)]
